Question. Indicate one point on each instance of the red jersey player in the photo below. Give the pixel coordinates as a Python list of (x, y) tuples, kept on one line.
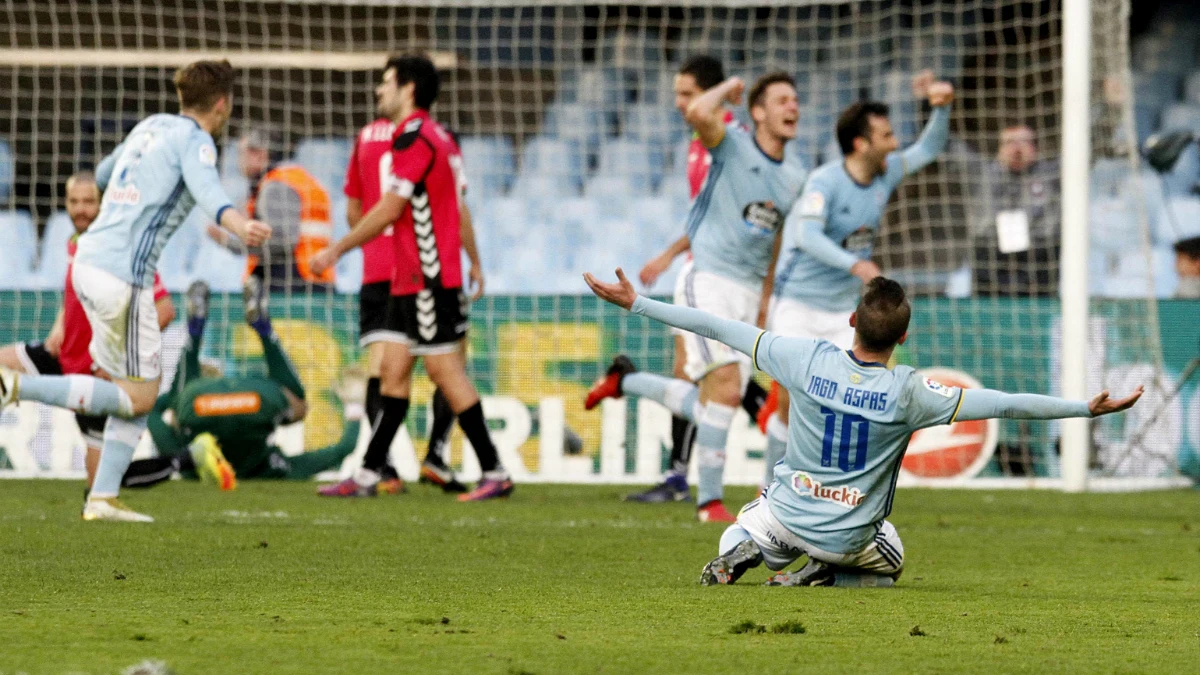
[(65, 351), (426, 314)]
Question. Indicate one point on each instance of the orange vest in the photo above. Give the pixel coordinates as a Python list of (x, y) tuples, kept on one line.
[(316, 227)]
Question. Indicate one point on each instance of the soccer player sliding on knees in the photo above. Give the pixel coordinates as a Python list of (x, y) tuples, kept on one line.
[(851, 417)]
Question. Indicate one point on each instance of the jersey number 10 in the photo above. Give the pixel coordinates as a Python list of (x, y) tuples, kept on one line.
[(852, 425)]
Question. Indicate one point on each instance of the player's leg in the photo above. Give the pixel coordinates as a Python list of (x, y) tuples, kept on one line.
[(674, 486), (879, 564), (720, 392), (280, 368), (308, 464), (756, 538), (435, 469)]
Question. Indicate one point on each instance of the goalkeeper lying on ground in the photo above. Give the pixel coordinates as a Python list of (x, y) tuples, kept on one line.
[(219, 427), (851, 418)]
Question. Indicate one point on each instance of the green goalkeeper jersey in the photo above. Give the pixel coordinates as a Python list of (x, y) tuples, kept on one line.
[(241, 412)]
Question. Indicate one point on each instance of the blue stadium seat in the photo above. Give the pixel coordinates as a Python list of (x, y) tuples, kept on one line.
[(634, 160), (1181, 116), (18, 248), (575, 123), (326, 159), (549, 163), (52, 251), (1184, 176), (488, 163), (649, 123), (7, 171), (1191, 88), (179, 256)]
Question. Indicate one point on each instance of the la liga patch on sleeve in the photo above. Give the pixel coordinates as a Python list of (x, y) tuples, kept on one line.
[(938, 388), (813, 204)]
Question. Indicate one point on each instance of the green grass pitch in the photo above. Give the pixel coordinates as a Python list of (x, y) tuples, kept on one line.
[(272, 579)]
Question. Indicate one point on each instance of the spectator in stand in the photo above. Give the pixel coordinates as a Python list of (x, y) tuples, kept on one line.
[(1015, 232), (294, 201), (1187, 265)]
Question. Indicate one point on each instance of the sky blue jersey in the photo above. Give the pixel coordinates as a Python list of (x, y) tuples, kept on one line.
[(835, 221), (849, 424), (734, 220), (164, 167)]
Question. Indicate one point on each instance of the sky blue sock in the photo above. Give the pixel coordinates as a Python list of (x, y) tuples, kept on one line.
[(679, 396), (81, 393), (120, 439), (777, 434), (711, 434), (733, 535)]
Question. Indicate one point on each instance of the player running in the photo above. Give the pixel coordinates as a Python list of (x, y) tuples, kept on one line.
[(831, 231), (734, 227), (65, 351), (163, 168), (219, 428), (366, 177), (852, 417), (697, 74), (426, 309)]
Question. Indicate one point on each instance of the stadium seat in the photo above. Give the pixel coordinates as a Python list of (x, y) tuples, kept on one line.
[(326, 159), (1181, 116), (633, 160), (7, 171), (52, 251), (648, 123), (574, 123), (549, 164), (1191, 88), (615, 191), (488, 163), (18, 248)]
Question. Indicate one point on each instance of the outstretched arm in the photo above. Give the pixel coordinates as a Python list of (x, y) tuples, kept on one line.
[(980, 404), (740, 336)]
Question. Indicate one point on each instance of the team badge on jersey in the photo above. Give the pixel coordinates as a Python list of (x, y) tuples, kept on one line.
[(762, 216), (859, 240)]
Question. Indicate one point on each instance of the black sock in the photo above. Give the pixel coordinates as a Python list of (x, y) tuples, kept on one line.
[(753, 399), (439, 431), (373, 401), (386, 424), (475, 427), (679, 453), (143, 473)]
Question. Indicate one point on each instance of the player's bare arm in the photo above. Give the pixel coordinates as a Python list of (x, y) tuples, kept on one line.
[(384, 213), (620, 294), (353, 211), (54, 339), (768, 287), (706, 114), (1101, 404), (662, 262), (467, 234)]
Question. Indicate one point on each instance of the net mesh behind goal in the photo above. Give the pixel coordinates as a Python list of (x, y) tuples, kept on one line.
[(575, 157)]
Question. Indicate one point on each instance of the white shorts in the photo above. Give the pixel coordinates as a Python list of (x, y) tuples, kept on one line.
[(681, 289), (781, 547), (126, 341), (721, 297), (792, 318)]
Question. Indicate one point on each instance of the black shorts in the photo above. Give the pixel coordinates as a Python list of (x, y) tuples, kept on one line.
[(372, 314), (34, 358), (432, 321)]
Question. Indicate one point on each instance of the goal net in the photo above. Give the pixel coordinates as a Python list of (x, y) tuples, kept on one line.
[(575, 157)]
